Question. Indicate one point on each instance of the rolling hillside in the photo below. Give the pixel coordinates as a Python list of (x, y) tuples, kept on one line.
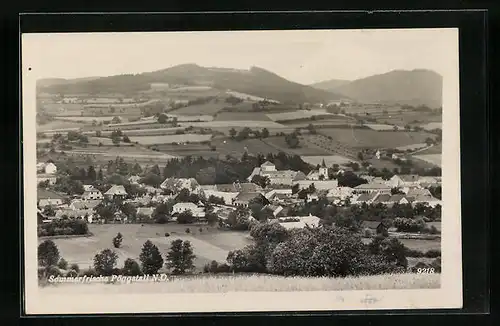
[(255, 81), (330, 85), (415, 87)]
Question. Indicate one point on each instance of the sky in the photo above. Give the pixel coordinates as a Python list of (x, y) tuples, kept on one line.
[(305, 56)]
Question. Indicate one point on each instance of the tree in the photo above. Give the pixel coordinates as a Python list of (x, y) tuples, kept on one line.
[(62, 264), (265, 133), (232, 133), (396, 191), (185, 217), (117, 241), (311, 128), (91, 174), (105, 262), (136, 169), (262, 181), (48, 254), (126, 139), (150, 258), (162, 119), (155, 169), (180, 257), (100, 176), (131, 268), (115, 139), (152, 179), (295, 188)]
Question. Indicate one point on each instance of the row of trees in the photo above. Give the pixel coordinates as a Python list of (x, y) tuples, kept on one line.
[(247, 133), (179, 260)]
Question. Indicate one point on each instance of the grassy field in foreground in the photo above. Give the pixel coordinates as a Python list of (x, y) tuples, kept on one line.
[(261, 283)]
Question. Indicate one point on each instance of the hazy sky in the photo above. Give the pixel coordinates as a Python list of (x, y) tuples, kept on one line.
[(301, 56)]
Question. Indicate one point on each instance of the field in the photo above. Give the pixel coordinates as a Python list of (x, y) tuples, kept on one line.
[(211, 244), (210, 108), (169, 139), (57, 124), (234, 123), (303, 149), (329, 160), (192, 149), (365, 138), (140, 132), (86, 119), (422, 245), (412, 147), (433, 125), (434, 159), (235, 148), (382, 127), (297, 115), (253, 116), (244, 96), (254, 283), (437, 149)]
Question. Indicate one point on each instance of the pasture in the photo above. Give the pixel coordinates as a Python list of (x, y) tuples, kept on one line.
[(188, 118), (233, 123), (56, 125), (329, 160), (304, 148), (249, 97), (169, 139), (86, 119), (298, 115), (366, 138), (210, 244), (191, 149), (433, 125), (416, 244), (236, 148), (433, 159), (412, 147), (436, 149), (229, 116), (382, 127), (208, 283), (209, 109)]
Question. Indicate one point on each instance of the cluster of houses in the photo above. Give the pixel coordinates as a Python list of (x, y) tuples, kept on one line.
[(277, 197)]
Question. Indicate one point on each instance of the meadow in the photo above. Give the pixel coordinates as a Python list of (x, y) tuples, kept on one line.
[(366, 138), (304, 149), (169, 139), (255, 283), (434, 159), (329, 160), (254, 116), (56, 125), (297, 115), (210, 244), (204, 109), (233, 123)]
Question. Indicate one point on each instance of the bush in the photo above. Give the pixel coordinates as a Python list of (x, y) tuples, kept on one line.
[(368, 233), (409, 225), (53, 270), (131, 268), (89, 272), (167, 234), (188, 230), (433, 253), (62, 264), (75, 267), (72, 273), (200, 229)]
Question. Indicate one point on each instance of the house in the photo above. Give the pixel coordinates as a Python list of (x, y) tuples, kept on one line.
[(145, 211), (43, 177), (116, 191), (276, 209), (49, 198), (418, 192), (403, 180), (398, 199), (236, 187), (272, 193), (340, 192), (152, 190), (380, 227), (320, 174), (312, 197), (75, 213), (175, 185), (277, 177), (382, 199), (372, 188), (228, 197), (430, 200), (78, 204), (92, 194), (298, 222), (243, 199), (319, 185), (367, 198), (195, 210)]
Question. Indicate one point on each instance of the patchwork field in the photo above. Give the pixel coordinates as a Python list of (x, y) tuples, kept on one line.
[(169, 139), (437, 149), (416, 244), (210, 244), (244, 96), (253, 283), (191, 149)]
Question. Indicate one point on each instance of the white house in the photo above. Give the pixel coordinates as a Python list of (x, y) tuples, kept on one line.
[(116, 191), (92, 194), (183, 207), (319, 185), (48, 198), (340, 192), (228, 197), (403, 180), (320, 174), (43, 177), (175, 185), (295, 222), (372, 188), (277, 177)]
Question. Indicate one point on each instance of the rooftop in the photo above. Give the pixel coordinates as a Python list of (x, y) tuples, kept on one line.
[(48, 194)]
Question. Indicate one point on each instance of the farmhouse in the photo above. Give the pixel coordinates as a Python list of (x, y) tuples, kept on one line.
[(92, 194), (281, 177), (77, 204), (367, 198), (340, 192), (74, 214), (43, 177), (271, 194), (418, 192), (49, 198), (116, 191), (243, 199), (398, 199), (372, 188), (276, 209), (403, 180), (175, 185), (193, 208), (431, 201)]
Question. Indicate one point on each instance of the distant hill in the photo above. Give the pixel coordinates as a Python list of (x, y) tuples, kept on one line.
[(415, 87), (330, 85), (255, 81)]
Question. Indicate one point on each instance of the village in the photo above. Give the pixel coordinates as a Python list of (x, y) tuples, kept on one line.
[(276, 191)]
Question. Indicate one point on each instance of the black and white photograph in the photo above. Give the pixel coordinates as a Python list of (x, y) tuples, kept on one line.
[(225, 171)]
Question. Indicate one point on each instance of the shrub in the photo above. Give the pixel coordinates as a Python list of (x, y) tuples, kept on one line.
[(75, 267), (53, 270), (167, 234), (409, 225), (131, 268), (251, 259), (433, 253), (89, 272), (117, 241), (72, 273), (368, 233), (48, 253), (393, 250), (200, 229), (62, 264), (188, 230)]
